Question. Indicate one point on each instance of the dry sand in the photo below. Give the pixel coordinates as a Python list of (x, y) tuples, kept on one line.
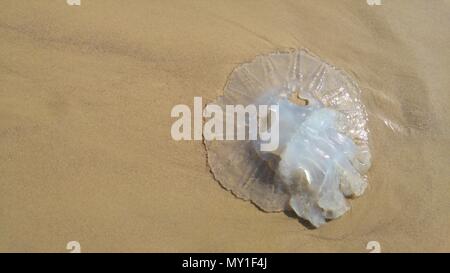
[(85, 146)]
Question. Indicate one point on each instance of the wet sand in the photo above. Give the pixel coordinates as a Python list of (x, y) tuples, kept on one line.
[(85, 100)]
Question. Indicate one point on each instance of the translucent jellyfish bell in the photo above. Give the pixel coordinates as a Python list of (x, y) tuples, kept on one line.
[(323, 153)]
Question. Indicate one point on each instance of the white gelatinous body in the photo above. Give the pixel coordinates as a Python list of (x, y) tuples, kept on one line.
[(323, 153)]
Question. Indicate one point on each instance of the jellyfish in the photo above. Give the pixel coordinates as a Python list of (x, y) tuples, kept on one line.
[(323, 154)]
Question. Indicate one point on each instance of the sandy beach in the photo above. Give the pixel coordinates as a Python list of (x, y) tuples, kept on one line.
[(86, 152)]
